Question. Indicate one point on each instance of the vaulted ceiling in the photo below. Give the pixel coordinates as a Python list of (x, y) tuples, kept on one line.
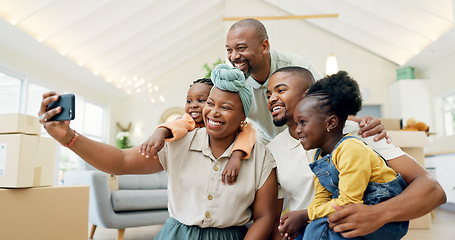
[(396, 30), (116, 38)]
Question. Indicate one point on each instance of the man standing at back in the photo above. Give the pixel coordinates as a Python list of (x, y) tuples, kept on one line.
[(248, 49)]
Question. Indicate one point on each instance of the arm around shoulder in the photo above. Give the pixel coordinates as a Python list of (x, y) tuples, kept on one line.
[(245, 140), (179, 127), (422, 195)]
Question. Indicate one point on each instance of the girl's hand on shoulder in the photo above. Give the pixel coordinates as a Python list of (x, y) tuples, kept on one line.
[(154, 143), (231, 170)]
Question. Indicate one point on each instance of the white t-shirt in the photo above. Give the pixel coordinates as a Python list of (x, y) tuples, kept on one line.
[(295, 176)]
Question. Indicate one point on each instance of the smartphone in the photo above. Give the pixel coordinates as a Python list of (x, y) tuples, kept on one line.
[(67, 102)]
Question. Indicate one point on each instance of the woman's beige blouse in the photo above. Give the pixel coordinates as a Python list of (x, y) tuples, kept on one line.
[(196, 194)]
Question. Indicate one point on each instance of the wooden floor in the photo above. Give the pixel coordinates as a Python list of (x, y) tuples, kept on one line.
[(443, 228)]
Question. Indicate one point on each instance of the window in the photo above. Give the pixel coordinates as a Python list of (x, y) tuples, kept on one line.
[(19, 95), (89, 121), (34, 97), (93, 121), (370, 110), (10, 93), (449, 114)]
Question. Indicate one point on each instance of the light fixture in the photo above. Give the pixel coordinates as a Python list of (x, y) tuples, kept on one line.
[(331, 66), (140, 88)]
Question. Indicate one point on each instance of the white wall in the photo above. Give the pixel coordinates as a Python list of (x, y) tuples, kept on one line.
[(444, 165), (22, 53), (40, 64), (406, 93), (442, 83), (146, 115)]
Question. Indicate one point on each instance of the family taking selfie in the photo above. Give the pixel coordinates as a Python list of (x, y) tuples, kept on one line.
[(267, 148)]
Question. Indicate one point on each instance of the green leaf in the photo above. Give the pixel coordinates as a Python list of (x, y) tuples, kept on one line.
[(209, 69)]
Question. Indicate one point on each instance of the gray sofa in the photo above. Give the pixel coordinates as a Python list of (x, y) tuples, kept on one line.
[(140, 200)]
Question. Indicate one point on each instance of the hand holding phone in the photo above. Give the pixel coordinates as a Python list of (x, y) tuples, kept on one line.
[(67, 103)]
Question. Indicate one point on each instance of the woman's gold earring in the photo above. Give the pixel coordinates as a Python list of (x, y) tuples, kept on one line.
[(328, 130), (243, 123)]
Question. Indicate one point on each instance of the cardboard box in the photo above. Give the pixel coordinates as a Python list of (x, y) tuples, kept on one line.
[(58, 212), (413, 142), (423, 222), (26, 160), (19, 123), (392, 123)]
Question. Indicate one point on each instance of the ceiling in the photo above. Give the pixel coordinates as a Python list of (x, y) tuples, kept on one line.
[(117, 38)]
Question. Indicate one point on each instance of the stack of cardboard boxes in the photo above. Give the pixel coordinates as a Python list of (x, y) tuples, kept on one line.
[(412, 143), (30, 206)]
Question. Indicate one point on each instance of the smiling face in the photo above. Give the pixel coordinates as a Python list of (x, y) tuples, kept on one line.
[(195, 100), (311, 124), (246, 51), (223, 113), (285, 90)]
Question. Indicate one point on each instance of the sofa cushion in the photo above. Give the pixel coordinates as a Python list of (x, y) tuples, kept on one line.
[(148, 181), (135, 200)]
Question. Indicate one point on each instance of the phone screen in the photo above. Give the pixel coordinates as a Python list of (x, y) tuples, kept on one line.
[(67, 102)]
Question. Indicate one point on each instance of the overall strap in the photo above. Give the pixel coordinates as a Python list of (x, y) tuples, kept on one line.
[(380, 156)]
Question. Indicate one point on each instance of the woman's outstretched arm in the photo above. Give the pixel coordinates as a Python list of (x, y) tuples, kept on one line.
[(102, 156)]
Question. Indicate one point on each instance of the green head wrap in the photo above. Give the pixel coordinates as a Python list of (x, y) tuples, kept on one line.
[(232, 79)]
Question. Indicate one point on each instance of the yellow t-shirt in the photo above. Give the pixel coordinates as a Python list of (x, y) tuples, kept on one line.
[(358, 165)]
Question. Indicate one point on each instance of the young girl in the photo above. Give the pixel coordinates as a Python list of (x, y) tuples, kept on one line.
[(174, 130), (346, 169)]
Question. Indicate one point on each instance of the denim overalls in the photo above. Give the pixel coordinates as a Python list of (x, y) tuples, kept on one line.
[(328, 176)]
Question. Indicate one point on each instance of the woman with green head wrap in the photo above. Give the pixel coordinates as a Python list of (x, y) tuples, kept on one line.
[(231, 79), (199, 204), (210, 209), (226, 78)]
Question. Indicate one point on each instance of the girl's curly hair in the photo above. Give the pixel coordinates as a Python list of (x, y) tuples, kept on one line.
[(207, 81), (338, 94)]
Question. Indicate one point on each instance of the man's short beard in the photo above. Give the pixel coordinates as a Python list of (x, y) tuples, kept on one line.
[(280, 122), (248, 73)]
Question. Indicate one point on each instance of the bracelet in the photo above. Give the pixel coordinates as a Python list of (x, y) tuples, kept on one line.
[(73, 140)]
